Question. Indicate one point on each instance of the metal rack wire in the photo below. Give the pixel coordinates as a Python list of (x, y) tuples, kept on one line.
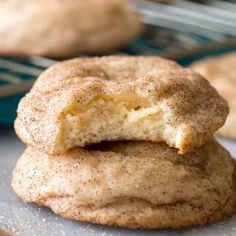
[(184, 25), (214, 21), (180, 30), (17, 75)]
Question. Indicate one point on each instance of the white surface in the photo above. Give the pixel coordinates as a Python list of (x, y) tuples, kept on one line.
[(19, 218)]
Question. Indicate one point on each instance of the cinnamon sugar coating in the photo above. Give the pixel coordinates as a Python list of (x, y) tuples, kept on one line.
[(89, 100), (131, 184)]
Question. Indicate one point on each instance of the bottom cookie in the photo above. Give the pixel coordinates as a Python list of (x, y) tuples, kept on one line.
[(131, 184)]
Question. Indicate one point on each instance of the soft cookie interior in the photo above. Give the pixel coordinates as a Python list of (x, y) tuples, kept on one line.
[(113, 118)]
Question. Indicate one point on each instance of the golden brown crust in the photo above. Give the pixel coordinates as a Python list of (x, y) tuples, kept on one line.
[(220, 71), (63, 28), (130, 184), (84, 101)]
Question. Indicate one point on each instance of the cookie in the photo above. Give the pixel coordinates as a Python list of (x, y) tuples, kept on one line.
[(62, 28), (89, 100), (130, 184), (220, 71)]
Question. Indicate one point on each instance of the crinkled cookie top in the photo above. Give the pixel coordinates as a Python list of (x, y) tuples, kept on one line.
[(89, 100)]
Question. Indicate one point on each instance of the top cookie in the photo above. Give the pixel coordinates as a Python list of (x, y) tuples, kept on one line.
[(221, 73), (63, 28), (88, 100)]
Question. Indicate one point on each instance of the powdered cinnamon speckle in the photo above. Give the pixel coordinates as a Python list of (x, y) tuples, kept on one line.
[(88, 100)]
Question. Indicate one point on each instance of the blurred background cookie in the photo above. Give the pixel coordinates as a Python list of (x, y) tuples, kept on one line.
[(60, 28), (221, 72)]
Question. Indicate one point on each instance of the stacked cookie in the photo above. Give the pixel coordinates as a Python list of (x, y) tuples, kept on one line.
[(125, 141)]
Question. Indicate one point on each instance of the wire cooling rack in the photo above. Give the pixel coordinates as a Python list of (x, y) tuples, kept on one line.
[(180, 30)]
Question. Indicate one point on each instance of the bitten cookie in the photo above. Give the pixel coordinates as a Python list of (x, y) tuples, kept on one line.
[(64, 28), (221, 72), (130, 184), (89, 100)]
